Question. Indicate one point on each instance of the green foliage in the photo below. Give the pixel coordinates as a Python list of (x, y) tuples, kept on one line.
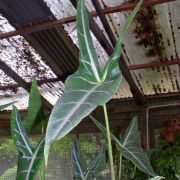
[(83, 91), (129, 148), (81, 171), (9, 173), (35, 114), (8, 149), (31, 159), (166, 160), (90, 86)]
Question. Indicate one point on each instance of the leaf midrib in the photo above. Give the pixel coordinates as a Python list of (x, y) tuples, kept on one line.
[(33, 159), (88, 48), (79, 167), (22, 135), (70, 114)]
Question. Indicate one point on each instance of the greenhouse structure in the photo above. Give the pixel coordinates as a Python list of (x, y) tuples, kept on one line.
[(89, 90)]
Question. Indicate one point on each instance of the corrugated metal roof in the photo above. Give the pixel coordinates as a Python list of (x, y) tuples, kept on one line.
[(153, 37), (53, 44), (50, 91)]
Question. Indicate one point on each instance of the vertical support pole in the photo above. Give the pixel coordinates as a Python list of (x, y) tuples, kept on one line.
[(143, 127)]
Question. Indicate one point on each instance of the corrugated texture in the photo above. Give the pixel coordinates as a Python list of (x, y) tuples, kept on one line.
[(21, 57), (53, 44), (50, 91), (153, 37)]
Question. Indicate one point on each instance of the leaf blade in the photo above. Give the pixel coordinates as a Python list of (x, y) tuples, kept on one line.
[(30, 160), (35, 113), (135, 154), (88, 55)]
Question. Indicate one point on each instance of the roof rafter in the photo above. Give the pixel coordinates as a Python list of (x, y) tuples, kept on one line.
[(27, 86), (40, 82), (130, 67), (154, 64)]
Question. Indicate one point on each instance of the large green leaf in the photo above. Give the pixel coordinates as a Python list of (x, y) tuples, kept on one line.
[(89, 87), (5, 105), (35, 112), (80, 168), (129, 146), (30, 159)]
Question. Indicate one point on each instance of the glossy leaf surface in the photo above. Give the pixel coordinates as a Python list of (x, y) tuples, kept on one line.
[(30, 159), (84, 90), (129, 146), (90, 86)]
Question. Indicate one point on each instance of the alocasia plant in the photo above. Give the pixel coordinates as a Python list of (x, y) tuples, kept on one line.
[(90, 86), (128, 146), (31, 158)]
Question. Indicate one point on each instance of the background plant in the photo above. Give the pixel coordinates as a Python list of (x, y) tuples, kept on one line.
[(166, 159), (30, 159)]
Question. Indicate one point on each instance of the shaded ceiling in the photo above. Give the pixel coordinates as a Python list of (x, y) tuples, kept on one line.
[(151, 48)]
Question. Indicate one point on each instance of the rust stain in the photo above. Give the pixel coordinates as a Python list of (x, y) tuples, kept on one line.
[(147, 32), (125, 54), (138, 82), (154, 88), (172, 31)]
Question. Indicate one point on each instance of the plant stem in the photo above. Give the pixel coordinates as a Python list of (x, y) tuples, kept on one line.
[(134, 172), (109, 143), (120, 165)]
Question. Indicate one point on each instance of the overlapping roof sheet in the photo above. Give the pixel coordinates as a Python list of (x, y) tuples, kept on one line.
[(153, 37)]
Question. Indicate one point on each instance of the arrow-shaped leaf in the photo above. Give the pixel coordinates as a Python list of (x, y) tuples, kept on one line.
[(30, 160), (129, 146), (89, 87)]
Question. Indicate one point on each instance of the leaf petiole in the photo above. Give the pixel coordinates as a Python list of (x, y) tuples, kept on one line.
[(109, 143)]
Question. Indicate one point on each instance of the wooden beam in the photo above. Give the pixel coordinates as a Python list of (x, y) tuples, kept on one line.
[(40, 82), (131, 67), (122, 64), (7, 70), (54, 23), (154, 64)]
